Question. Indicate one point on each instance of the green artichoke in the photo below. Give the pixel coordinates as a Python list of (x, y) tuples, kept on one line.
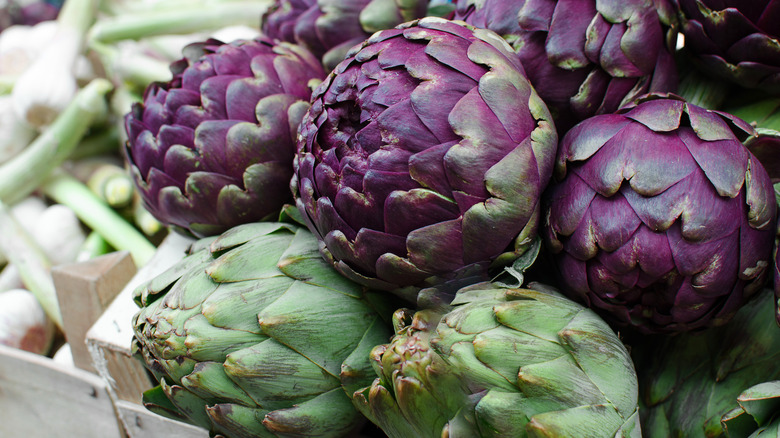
[(253, 335), (692, 380), (758, 414), (503, 363)]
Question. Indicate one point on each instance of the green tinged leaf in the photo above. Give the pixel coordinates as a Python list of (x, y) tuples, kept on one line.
[(189, 404), (209, 382), (276, 376), (239, 421), (236, 305), (581, 421), (328, 415), (302, 261), (601, 355), (309, 329), (357, 371)]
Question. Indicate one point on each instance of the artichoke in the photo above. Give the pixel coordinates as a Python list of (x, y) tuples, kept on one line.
[(329, 28), (660, 217), (27, 12), (253, 335), (213, 147), (758, 414), (735, 39), (584, 57), (691, 381), (503, 363), (423, 158)]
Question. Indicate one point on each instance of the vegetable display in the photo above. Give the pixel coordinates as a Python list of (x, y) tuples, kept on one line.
[(402, 218)]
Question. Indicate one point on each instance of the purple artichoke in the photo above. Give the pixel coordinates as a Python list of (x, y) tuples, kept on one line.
[(423, 157), (735, 39), (660, 216), (213, 148), (583, 57), (329, 28)]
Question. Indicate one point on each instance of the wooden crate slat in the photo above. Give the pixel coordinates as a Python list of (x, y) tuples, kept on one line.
[(40, 398), (145, 424), (84, 291)]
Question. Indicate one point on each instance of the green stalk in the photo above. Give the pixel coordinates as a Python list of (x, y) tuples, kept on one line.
[(26, 171), (7, 83), (46, 87), (32, 264), (165, 21), (98, 216), (94, 246), (78, 14)]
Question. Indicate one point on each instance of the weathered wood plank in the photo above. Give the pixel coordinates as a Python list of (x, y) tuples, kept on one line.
[(39, 398), (84, 291), (142, 423)]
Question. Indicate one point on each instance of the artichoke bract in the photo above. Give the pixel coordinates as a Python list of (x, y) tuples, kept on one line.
[(584, 57), (423, 157), (503, 363), (691, 383), (735, 40), (758, 413), (253, 335), (329, 28), (660, 217), (213, 147)]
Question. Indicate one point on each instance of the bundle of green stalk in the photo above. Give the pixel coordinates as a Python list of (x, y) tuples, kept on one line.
[(66, 82), (370, 189)]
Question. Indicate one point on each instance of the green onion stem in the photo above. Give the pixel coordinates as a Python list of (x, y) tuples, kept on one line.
[(78, 15), (94, 246), (187, 20), (7, 83), (32, 264), (21, 175), (119, 233)]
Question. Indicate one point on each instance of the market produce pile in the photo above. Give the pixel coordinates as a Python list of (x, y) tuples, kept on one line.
[(495, 218)]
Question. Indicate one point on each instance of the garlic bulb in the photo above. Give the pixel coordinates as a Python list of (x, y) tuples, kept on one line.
[(23, 323)]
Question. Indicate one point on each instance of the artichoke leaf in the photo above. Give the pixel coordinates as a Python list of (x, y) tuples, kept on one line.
[(276, 376), (328, 415), (209, 382)]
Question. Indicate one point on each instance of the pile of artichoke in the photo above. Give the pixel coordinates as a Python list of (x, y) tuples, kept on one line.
[(495, 218)]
